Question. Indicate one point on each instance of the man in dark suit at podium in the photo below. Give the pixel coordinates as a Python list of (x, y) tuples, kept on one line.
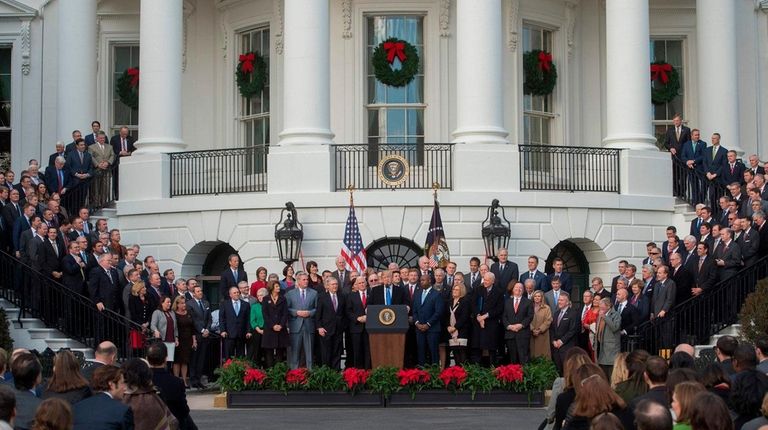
[(505, 270), (386, 293), (427, 309)]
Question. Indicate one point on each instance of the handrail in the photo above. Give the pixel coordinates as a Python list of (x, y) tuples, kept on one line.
[(693, 187), (57, 306), (698, 318), (96, 193), (219, 171)]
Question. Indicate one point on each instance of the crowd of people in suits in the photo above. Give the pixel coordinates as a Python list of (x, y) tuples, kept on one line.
[(640, 391), (139, 394)]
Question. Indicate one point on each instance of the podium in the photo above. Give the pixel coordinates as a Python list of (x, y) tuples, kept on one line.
[(387, 326)]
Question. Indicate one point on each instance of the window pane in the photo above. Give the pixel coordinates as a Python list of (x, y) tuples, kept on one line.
[(395, 122), (254, 112), (675, 53), (373, 122)]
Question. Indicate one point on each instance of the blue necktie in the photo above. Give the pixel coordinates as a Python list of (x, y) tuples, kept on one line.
[(424, 296), (237, 308), (388, 297)]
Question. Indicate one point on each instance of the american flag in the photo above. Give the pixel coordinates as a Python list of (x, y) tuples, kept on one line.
[(352, 249)]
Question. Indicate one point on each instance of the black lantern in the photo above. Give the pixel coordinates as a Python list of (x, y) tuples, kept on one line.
[(289, 235), (496, 230)]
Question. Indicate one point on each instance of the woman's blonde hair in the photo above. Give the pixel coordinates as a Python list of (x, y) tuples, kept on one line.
[(620, 371), (136, 288)]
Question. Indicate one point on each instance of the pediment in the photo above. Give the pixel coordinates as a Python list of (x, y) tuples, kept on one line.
[(13, 8)]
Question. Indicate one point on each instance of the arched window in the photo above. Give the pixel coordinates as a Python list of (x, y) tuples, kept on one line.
[(398, 250)]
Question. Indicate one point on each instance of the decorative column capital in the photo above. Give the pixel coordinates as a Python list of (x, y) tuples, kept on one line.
[(445, 18), (346, 19), (26, 45), (762, 5), (512, 23)]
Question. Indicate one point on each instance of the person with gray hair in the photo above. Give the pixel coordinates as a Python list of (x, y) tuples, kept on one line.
[(486, 309), (56, 178), (727, 255), (650, 415), (608, 335), (564, 330), (60, 152)]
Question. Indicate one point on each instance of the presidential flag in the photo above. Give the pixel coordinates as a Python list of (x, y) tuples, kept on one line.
[(436, 247), (352, 248)]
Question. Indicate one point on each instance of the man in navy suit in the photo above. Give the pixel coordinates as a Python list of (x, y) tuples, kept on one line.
[(715, 159), (505, 270), (517, 317), (330, 321), (233, 323), (302, 306), (539, 278), (90, 139), (105, 409), (473, 278), (564, 330), (733, 170), (387, 293), (80, 165), (57, 179), (231, 276), (357, 303), (566, 283), (427, 309), (693, 156)]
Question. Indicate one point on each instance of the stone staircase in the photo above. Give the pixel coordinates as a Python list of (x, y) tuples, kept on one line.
[(682, 217), (731, 330), (33, 334)]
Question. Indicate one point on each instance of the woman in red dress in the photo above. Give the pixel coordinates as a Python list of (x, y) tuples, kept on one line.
[(260, 282), (590, 323)]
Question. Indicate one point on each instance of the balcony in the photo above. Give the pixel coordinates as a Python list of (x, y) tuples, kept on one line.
[(568, 168), (219, 171)]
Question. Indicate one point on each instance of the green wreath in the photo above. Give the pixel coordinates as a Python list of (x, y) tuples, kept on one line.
[(383, 57), (540, 73), (670, 82), (252, 74), (128, 87)]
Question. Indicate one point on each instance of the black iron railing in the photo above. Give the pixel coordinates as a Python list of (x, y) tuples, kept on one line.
[(393, 166), (569, 168), (698, 318), (95, 193), (692, 185), (73, 314), (219, 171)]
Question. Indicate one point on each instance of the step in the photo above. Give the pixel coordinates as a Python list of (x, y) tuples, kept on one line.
[(732, 330), (58, 343), (43, 333), (87, 352), (12, 313), (27, 323)]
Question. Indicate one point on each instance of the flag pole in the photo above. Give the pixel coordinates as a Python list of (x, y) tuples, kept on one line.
[(351, 189)]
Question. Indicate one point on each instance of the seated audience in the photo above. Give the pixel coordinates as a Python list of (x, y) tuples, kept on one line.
[(104, 409)]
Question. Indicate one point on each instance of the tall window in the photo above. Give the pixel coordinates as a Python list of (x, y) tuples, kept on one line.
[(395, 114), (537, 110), (5, 106), (254, 112), (123, 58), (670, 51)]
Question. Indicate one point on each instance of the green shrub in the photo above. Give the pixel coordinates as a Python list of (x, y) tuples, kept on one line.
[(754, 313)]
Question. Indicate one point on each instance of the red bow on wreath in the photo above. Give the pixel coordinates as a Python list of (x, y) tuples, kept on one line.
[(545, 61), (659, 71), (395, 49), (134, 74), (247, 62)]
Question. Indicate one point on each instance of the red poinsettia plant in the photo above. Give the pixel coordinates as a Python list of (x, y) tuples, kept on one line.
[(254, 378), (453, 377), (509, 375), (413, 380), (355, 379), (297, 377)]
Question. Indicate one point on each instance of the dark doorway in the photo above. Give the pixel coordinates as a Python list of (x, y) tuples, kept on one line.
[(215, 263), (575, 263)]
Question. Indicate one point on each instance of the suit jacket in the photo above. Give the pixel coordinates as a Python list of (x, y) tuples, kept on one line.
[(236, 326), (346, 286), (52, 157), (429, 309), (749, 242), (296, 323), (355, 309), (102, 153), (680, 250), (103, 290), (705, 277), (100, 411), (90, 139), (491, 303), (568, 328), (566, 283), (762, 232), (728, 176), (539, 277), (171, 390), (630, 316), (116, 145), (609, 340), (732, 258), (475, 284), (50, 260), (510, 273), (693, 151), (10, 213), (26, 406), (684, 281), (549, 297), (200, 317), (399, 295), (524, 316), (76, 166), (714, 165), (672, 142), (19, 226), (663, 297), (73, 275), (52, 180), (228, 281), (333, 321), (33, 252)]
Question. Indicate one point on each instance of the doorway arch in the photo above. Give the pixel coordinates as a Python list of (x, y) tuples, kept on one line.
[(574, 262), (404, 252)]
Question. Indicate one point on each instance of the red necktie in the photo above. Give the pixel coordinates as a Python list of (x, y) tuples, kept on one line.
[(365, 301), (517, 303)]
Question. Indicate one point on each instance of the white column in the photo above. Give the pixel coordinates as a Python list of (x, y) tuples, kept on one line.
[(717, 71), (479, 92), (160, 77), (307, 73), (76, 104), (628, 79)]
